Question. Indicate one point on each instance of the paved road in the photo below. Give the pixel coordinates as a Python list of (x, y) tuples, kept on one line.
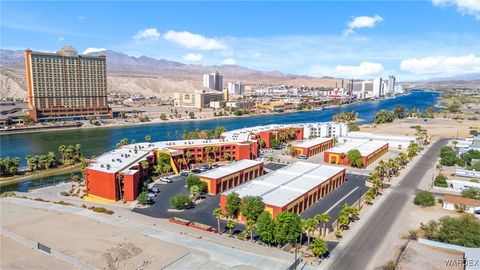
[(362, 247)]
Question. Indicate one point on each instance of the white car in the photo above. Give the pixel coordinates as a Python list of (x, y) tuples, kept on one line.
[(151, 195), (166, 180)]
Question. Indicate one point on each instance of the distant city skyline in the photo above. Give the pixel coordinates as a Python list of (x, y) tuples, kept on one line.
[(410, 39)]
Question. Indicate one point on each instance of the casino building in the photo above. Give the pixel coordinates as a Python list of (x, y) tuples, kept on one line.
[(66, 85)]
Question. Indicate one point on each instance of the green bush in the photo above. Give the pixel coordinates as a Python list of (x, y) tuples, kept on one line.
[(424, 199), (472, 193), (461, 230), (193, 180), (440, 181), (180, 201), (142, 198)]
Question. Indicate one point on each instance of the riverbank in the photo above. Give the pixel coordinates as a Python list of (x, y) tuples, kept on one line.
[(114, 123), (39, 174)]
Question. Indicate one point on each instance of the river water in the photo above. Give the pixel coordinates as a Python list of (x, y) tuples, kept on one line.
[(96, 141)]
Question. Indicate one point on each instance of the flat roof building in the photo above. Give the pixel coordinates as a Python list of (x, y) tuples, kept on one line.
[(231, 175), (369, 150), (66, 85), (293, 188), (313, 147)]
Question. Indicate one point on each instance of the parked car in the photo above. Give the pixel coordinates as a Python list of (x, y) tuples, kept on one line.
[(152, 195), (196, 171), (165, 180), (215, 165), (202, 170), (184, 173), (150, 201), (155, 190), (302, 156)]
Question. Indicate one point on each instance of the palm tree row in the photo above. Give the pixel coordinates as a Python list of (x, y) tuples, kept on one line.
[(388, 169)]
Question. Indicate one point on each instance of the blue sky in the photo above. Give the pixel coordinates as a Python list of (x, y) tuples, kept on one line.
[(360, 39)]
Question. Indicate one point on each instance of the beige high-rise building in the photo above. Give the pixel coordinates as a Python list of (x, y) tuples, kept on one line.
[(66, 85)]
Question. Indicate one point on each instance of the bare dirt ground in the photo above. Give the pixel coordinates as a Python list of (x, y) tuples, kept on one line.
[(438, 127), (418, 256), (95, 243), (14, 256)]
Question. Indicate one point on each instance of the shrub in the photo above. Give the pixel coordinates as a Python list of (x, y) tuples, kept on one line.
[(424, 199), (461, 230), (180, 201), (142, 198), (193, 180), (7, 194), (472, 193), (440, 181), (102, 210)]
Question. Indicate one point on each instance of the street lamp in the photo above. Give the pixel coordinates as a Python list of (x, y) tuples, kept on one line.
[(359, 198)]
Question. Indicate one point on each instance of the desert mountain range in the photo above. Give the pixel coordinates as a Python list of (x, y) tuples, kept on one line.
[(160, 77)]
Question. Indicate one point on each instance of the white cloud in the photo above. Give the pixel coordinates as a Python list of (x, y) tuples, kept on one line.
[(93, 50), (362, 71), (61, 39), (194, 41), (147, 34), (442, 65), (82, 17), (361, 22), (229, 61), (193, 57), (469, 7)]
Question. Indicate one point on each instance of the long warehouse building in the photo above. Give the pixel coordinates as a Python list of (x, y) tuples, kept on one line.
[(293, 188), (369, 151), (231, 175)]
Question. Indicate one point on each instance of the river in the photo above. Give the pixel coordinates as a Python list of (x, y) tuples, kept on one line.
[(96, 141)]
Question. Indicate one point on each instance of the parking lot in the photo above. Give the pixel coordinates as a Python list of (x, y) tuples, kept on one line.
[(349, 193), (162, 208)]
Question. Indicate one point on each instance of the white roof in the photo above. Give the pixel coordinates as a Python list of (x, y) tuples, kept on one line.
[(365, 147), (230, 169), (281, 187), (119, 160), (311, 143), (243, 134), (165, 145)]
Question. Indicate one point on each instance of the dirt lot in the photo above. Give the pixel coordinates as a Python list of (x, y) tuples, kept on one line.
[(95, 243), (438, 127)]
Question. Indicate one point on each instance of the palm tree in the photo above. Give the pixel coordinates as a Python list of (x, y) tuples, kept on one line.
[(218, 213), (376, 180), (311, 226), (30, 163), (62, 149), (77, 151), (148, 138), (230, 226), (323, 218), (189, 155)]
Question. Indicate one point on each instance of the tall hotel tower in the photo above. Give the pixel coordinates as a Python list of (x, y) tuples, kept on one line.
[(66, 85)]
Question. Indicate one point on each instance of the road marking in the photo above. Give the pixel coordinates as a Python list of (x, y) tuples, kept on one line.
[(343, 198)]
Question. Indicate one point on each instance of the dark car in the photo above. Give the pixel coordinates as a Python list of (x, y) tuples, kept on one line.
[(196, 171), (184, 173)]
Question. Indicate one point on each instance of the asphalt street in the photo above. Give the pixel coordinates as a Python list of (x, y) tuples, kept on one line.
[(361, 248)]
